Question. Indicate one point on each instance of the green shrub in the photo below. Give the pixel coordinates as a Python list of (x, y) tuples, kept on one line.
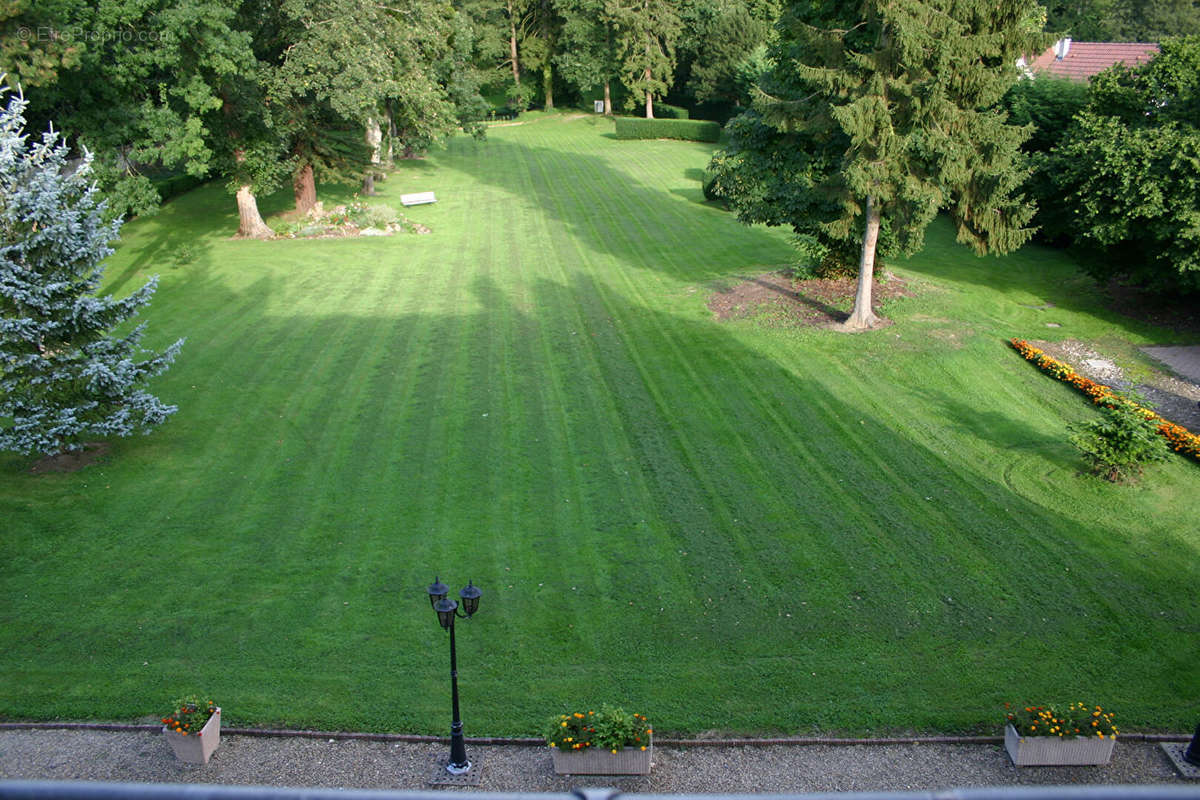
[(1118, 445), (690, 129), (670, 112), (371, 216)]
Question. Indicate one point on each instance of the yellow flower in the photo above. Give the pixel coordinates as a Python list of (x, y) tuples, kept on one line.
[(614, 751), (564, 724), (643, 747), (552, 744)]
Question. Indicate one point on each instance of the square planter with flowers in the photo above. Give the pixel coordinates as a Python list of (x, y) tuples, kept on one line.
[(193, 729), (605, 742), (1044, 736)]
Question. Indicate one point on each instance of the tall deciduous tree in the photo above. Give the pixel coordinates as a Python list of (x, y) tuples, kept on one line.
[(894, 100), (64, 374), (587, 57), (647, 32), (135, 81), (342, 63)]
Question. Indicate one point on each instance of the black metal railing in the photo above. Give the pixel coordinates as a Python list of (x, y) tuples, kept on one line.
[(89, 790)]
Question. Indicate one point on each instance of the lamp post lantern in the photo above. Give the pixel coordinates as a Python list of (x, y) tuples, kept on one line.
[(447, 610)]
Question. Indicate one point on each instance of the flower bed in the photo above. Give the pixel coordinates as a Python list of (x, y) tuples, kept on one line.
[(1180, 439)]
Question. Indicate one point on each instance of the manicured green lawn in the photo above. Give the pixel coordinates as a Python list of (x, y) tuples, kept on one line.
[(728, 526)]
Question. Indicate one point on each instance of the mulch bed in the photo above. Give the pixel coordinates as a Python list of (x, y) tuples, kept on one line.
[(812, 302)]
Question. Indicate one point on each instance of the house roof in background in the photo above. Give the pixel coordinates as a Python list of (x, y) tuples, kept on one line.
[(1085, 59)]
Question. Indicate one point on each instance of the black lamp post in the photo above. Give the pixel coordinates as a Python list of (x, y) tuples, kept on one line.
[(447, 610)]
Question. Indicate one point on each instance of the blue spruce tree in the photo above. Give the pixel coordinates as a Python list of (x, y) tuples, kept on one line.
[(64, 374)]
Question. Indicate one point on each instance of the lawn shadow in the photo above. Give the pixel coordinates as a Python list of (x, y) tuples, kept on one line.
[(617, 213)]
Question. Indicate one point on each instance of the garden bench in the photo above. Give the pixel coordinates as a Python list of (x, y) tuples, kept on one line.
[(417, 199)]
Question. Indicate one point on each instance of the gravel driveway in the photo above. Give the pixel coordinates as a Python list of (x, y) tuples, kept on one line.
[(283, 761)]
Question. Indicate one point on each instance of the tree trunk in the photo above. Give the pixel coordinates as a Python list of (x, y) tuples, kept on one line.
[(374, 138), (304, 189), (607, 101), (649, 97), (862, 317), (390, 153), (548, 84), (512, 44), (250, 222)]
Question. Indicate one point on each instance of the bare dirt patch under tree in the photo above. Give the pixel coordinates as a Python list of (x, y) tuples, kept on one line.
[(813, 302)]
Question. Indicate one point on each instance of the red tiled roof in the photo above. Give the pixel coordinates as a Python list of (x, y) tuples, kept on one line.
[(1085, 59)]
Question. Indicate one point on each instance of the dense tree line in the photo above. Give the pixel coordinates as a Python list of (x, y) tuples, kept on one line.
[(263, 93), (1123, 20), (270, 93)]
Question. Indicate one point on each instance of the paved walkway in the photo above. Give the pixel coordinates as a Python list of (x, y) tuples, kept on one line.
[(1184, 360), (140, 756)]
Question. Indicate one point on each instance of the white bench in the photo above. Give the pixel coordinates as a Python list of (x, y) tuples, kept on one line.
[(417, 199)]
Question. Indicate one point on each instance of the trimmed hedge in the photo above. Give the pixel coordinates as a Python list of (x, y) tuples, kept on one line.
[(174, 185), (694, 130)]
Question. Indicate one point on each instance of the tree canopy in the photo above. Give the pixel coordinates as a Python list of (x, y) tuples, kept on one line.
[(1128, 169)]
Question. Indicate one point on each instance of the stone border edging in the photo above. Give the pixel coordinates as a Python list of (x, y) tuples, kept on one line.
[(534, 742)]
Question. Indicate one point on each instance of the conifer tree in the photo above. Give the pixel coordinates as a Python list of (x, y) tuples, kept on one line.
[(64, 374), (894, 101)]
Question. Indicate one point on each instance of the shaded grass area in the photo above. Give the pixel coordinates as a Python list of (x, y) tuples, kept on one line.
[(729, 527)]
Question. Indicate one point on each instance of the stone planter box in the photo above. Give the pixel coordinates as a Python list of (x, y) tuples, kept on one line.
[(193, 748), (595, 761), (1051, 751)]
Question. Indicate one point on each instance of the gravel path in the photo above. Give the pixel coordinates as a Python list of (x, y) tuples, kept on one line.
[(141, 756)]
